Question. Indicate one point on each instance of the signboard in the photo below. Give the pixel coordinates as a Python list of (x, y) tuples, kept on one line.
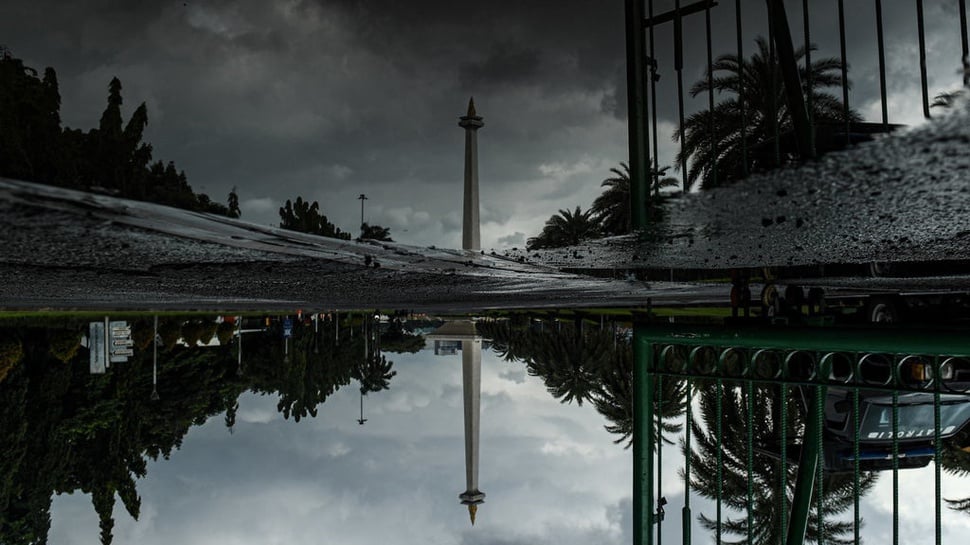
[(119, 342), (96, 336)]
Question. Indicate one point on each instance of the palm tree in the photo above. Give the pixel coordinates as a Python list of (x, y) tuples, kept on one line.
[(566, 229), (613, 398), (955, 459), (374, 374), (570, 361), (613, 205), (706, 472), (764, 113)]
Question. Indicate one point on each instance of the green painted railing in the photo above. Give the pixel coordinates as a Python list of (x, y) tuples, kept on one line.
[(794, 361)]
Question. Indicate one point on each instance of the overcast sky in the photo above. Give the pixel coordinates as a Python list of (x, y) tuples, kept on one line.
[(329, 99)]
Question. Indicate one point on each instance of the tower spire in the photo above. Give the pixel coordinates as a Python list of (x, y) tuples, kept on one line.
[(470, 232)]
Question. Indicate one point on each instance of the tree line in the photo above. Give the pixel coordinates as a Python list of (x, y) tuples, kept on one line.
[(111, 158), (65, 430)]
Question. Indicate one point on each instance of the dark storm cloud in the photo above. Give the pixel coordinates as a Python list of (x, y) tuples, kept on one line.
[(331, 99), (506, 64)]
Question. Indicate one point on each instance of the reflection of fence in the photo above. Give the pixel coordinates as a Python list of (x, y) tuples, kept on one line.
[(780, 121), (822, 404)]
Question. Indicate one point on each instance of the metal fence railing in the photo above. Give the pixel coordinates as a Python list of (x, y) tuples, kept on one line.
[(779, 82), (797, 426)]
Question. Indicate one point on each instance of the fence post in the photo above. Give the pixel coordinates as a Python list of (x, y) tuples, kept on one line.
[(636, 113), (789, 73), (808, 461), (643, 437)]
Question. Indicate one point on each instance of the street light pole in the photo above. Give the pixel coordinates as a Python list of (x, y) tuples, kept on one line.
[(362, 198)]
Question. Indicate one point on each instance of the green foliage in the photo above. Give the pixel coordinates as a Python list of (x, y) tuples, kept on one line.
[(375, 232), (110, 158), (11, 352), (395, 339), (64, 345), (612, 207), (169, 331), (765, 113), (233, 204), (64, 430), (142, 334), (224, 333), (732, 475), (567, 228), (579, 363), (209, 328), (304, 217), (192, 332)]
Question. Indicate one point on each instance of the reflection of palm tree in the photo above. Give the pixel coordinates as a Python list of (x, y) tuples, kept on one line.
[(614, 399), (956, 460), (569, 361), (613, 205), (764, 113), (567, 228), (578, 365), (732, 474), (374, 374)]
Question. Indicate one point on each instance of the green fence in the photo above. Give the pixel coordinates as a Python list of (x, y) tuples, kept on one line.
[(822, 411)]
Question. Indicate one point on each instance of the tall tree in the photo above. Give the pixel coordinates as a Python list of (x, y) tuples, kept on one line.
[(765, 113), (305, 217), (567, 228), (612, 207), (375, 232), (731, 473), (34, 147), (233, 204)]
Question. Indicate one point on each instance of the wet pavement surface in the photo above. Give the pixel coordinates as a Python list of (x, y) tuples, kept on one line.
[(897, 202), (902, 198), (65, 249)]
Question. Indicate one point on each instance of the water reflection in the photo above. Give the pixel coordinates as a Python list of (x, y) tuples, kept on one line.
[(65, 429)]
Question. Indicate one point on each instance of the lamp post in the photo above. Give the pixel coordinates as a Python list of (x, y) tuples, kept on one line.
[(362, 198)]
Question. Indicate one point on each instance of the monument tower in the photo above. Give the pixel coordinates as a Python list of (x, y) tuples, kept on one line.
[(470, 232), (471, 380)]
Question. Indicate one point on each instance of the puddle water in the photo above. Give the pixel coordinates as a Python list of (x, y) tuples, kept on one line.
[(504, 428)]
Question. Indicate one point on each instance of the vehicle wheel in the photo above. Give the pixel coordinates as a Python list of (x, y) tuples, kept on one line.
[(882, 311)]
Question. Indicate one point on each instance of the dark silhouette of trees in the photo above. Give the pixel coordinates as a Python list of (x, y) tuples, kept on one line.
[(233, 204), (765, 114), (395, 339), (374, 373), (111, 158), (578, 363), (955, 460), (375, 232), (305, 217), (768, 495), (566, 228), (612, 207)]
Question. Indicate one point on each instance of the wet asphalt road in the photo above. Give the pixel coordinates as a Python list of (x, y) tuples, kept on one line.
[(69, 250)]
